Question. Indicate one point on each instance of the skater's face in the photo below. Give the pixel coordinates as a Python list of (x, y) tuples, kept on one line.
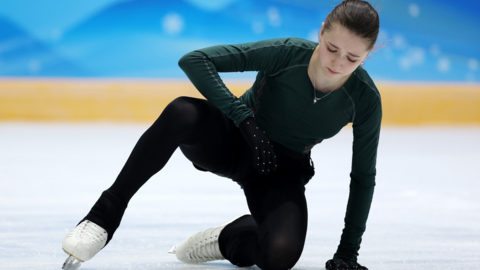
[(340, 51)]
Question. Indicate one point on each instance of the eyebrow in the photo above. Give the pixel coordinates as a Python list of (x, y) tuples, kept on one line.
[(339, 48)]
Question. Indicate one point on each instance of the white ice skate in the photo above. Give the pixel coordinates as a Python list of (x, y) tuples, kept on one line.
[(82, 243), (200, 247)]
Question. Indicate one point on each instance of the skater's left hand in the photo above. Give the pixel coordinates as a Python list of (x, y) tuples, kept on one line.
[(339, 264), (264, 156)]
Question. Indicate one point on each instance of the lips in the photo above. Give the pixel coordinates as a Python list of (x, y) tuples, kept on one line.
[(332, 72)]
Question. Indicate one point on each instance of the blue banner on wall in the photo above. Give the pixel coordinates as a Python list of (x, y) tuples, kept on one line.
[(420, 40)]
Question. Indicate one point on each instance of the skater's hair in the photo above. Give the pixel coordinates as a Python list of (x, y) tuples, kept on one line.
[(357, 16)]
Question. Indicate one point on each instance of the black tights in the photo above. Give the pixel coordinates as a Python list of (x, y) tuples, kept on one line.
[(273, 236)]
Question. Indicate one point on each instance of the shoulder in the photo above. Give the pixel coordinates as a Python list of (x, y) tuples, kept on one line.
[(362, 86), (282, 53), (300, 43), (365, 96)]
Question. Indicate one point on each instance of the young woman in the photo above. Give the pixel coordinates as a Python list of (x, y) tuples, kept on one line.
[(304, 92)]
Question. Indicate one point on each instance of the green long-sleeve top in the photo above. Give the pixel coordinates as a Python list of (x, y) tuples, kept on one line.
[(281, 99)]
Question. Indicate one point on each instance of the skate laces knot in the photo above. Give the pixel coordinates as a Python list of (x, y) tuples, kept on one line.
[(206, 246)]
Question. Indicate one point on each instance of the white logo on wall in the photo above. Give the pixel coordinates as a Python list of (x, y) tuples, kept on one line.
[(443, 64), (472, 64), (414, 10), (415, 56), (173, 23), (257, 27), (274, 17)]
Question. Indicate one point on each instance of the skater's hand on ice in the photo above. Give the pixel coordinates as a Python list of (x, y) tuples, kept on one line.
[(339, 264), (264, 156)]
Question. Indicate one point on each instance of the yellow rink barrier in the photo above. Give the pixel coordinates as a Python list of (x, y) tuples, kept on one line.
[(143, 100)]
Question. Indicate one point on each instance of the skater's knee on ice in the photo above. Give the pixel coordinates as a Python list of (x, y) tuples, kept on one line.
[(281, 253)]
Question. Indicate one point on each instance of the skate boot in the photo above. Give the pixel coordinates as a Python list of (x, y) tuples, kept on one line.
[(200, 247), (82, 243)]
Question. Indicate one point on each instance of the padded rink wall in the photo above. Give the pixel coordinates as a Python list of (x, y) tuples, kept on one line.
[(119, 100)]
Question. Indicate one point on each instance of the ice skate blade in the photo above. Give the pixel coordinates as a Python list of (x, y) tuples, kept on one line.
[(71, 263), (71, 255), (173, 250)]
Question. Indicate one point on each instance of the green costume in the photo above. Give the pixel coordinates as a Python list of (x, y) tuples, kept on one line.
[(281, 100)]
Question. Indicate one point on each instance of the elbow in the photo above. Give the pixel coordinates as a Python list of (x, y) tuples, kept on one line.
[(183, 62), (190, 58)]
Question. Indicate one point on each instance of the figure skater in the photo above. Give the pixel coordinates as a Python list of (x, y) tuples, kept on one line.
[(304, 92)]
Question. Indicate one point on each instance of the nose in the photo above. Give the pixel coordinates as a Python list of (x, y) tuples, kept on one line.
[(336, 64)]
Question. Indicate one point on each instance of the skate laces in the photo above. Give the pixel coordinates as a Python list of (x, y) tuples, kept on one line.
[(91, 232), (206, 246)]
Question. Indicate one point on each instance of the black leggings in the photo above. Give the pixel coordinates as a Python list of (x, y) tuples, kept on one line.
[(273, 236)]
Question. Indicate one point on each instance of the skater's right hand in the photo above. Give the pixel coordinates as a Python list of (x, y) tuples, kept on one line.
[(340, 264), (263, 154)]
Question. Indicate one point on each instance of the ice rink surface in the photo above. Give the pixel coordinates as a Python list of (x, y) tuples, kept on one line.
[(425, 212)]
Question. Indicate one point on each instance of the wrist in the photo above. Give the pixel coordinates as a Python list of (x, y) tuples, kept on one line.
[(244, 122), (344, 254), (344, 257)]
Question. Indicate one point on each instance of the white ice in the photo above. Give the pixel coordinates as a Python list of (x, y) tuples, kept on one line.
[(425, 213)]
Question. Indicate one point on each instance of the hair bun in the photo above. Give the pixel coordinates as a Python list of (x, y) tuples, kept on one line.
[(357, 16)]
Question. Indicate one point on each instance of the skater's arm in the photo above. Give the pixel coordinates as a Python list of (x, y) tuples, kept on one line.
[(202, 68), (366, 131)]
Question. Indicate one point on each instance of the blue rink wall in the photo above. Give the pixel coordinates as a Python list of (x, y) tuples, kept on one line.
[(116, 60), (420, 40)]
